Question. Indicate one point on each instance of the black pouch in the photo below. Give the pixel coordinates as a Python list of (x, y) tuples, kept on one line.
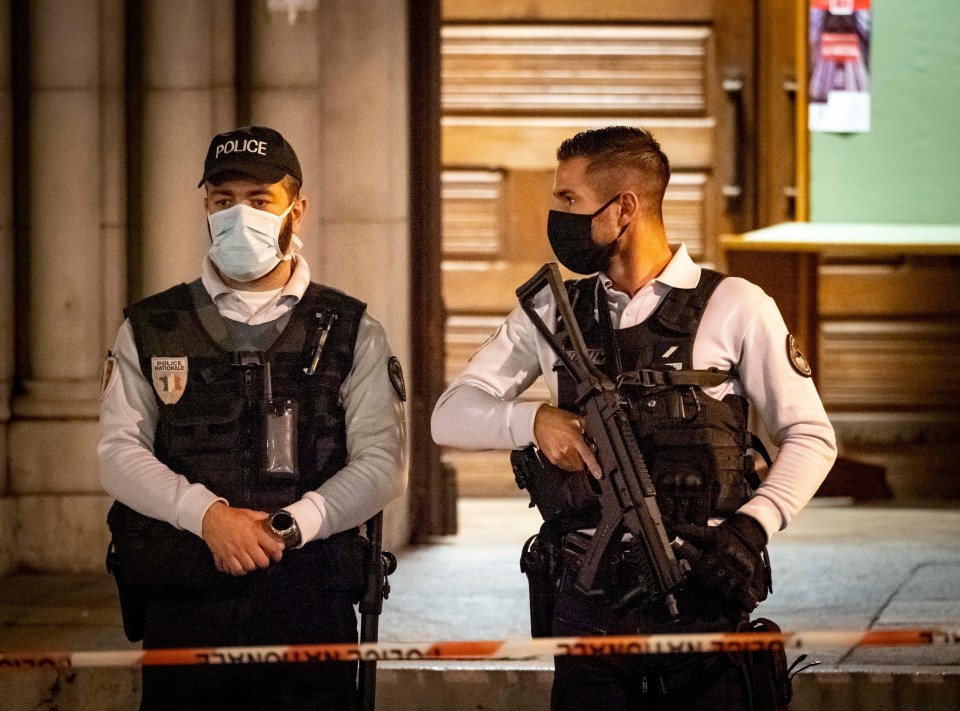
[(766, 671), (153, 556), (538, 562), (334, 564), (568, 499), (540, 479), (133, 602)]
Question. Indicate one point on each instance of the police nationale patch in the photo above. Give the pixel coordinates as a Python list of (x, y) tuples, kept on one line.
[(107, 371), (797, 359), (396, 377), (169, 377)]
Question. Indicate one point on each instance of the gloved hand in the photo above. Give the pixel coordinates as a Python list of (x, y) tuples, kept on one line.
[(730, 561)]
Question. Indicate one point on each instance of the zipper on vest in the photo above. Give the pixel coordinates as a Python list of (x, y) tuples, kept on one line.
[(246, 455)]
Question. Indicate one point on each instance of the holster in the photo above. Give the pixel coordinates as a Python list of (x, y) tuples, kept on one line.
[(539, 478), (766, 672), (538, 561), (133, 602)]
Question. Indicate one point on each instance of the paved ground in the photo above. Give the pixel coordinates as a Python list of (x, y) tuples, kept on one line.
[(838, 567)]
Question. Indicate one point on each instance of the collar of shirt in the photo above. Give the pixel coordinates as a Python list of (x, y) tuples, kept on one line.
[(231, 303), (680, 273)]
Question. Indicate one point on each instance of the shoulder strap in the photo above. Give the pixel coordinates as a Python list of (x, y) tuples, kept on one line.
[(157, 323), (680, 314), (583, 298), (682, 309)]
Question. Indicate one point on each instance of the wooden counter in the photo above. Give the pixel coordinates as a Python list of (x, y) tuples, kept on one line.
[(785, 261), (876, 310)]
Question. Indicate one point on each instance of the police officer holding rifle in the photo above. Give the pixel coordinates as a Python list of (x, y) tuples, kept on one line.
[(681, 353), (251, 420)]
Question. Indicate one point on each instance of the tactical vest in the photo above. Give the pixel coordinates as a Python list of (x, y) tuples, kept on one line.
[(212, 434), (694, 446)]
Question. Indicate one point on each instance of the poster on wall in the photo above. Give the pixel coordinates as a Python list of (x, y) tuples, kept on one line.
[(839, 66)]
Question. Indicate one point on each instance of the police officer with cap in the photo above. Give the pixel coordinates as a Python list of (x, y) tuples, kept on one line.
[(690, 349), (250, 421)]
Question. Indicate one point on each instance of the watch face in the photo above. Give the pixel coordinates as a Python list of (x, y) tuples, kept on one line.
[(281, 521)]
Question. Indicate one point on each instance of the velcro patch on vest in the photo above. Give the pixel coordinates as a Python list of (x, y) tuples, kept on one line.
[(169, 377), (396, 377), (797, 359)]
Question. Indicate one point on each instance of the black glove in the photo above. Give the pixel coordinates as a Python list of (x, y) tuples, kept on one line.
[(730, 561)]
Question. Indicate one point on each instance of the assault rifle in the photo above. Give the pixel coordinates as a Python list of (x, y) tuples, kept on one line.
[(628, 501)]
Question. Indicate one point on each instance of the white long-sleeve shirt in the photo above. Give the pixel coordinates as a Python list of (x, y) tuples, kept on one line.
[(741, 330), (373, 476)]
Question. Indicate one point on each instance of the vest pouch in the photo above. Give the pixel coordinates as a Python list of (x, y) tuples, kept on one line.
[(279, 451), (682, 470), (732, 488), (334, 564), (197, 434), (151, 556)]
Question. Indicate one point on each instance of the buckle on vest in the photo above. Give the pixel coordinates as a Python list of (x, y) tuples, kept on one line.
[(246, 358), (696, 402)]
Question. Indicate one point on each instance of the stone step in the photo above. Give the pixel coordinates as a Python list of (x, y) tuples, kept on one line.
[(452, 686)]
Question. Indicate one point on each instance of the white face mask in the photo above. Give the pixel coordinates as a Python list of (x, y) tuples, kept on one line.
[(246, 241)]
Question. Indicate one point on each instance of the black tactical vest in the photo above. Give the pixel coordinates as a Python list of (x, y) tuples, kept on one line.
[(694, 446), (212, 434)]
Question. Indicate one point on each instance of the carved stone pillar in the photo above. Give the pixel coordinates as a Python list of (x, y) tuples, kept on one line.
[(365, 228), (334, 83), (286, 95), (188, 97), (7, 503), (53, 471)]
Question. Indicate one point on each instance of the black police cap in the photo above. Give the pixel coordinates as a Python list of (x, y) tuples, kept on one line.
[(257, 151)]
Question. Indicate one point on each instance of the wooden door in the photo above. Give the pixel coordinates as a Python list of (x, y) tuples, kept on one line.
[(518, 77)]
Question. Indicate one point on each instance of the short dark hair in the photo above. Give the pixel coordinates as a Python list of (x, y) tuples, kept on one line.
[(621, 156), (292, 186)]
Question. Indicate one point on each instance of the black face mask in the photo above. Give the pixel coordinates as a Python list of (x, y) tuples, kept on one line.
[(571, 237)]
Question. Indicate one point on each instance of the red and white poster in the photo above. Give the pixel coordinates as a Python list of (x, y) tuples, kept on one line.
[(840, 66)]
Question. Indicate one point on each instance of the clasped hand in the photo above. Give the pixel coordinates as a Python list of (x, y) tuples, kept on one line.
[(239, 539)]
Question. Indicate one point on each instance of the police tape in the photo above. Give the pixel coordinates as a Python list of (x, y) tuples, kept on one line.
[(487, 650)]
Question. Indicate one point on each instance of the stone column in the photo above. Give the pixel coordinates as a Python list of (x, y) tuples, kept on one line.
[(188, 97), (334, 83), (286, 94), (364, 230), (113, 201), (53, 434), (7, 551)]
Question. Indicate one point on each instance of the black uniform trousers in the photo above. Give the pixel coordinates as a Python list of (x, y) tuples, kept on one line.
[(667, 682), (283, 607)]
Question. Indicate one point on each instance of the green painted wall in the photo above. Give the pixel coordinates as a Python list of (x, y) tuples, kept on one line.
[(907, 169)]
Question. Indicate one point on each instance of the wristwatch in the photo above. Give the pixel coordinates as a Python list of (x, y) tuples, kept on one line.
[(283, 525)]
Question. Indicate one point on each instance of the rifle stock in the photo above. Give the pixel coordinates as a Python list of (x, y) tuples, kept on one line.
[(627, 495)]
